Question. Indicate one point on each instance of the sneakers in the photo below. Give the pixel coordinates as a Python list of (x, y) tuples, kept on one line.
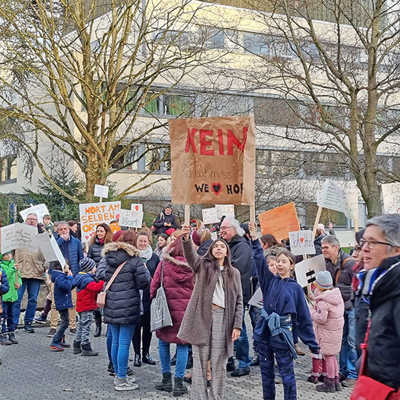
[(28, 328), (56, 347), (41, 320), (11, 337), (124, 385), (51, 332)]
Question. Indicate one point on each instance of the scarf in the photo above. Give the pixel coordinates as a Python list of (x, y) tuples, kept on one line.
[(146, 254)]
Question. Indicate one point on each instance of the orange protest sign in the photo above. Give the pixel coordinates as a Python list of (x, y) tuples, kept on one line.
[(213, 160), (280, 221)]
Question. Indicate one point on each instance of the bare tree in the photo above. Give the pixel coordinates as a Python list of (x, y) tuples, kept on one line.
[(339, 80), (81, 82)]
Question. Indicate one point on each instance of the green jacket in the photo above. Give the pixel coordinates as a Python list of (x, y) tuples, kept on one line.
[(12, 274)]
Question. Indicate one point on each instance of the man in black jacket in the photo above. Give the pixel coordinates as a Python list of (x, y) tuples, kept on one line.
[(340, 265), (242, 260), (381, 248)]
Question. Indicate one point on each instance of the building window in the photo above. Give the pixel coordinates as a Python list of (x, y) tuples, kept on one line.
[(178, 105), (8, 170), (215, 39), (256, 43)]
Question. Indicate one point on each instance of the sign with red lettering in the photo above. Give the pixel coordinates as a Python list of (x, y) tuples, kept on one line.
[(92, 214), (213, 160)]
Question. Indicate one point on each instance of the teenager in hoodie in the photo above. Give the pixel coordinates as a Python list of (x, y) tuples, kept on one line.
[(328, 319), (87, 289)]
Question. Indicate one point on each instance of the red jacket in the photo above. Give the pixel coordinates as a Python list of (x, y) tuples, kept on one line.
[(86, 298)]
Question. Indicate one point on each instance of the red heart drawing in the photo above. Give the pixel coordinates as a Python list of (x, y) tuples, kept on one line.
[(137, 207), (216, 187), (301, 239), (87, 237)]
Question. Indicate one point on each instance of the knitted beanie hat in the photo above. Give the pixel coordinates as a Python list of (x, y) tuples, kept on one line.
[(86, 264), (324, 279)]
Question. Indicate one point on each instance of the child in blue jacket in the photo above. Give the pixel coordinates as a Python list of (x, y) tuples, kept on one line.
[(63, 283), (285, 310)]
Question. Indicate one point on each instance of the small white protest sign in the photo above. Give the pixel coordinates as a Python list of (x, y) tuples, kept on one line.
[(17, 236), (257, 300), (40, 210), (130, 219), (137, 208), (333, 197), (49, 248), (227, 210), (101, 191), (301, 242), (307, 269), (210, 216), (391, 198), (346, 238)]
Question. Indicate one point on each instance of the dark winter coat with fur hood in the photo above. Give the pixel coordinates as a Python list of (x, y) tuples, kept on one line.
[(123, 298), (178, 286)]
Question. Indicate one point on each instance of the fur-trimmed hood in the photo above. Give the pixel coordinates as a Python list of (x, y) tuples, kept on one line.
[(179, 260), (115, 246)]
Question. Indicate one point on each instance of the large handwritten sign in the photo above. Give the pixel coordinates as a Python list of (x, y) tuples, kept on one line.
[(333, 198), (280, 221), (92, 214), (40, 210), (17, 236), (213, 160)]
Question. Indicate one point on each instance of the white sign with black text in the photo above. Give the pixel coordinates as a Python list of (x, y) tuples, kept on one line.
[(301, 242)]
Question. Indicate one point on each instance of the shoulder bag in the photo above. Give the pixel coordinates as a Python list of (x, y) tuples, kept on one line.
[(160, 317), (101, 297)]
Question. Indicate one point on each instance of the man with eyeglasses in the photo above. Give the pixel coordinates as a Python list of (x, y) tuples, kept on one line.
[(340, 265), (380, 250), (32, 267)]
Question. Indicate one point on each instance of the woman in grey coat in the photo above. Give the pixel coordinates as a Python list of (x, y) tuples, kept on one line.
[(213, 317)]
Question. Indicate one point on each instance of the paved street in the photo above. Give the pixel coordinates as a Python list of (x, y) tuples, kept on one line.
[(31, 371)]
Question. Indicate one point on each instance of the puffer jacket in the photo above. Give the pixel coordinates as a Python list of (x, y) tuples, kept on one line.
[(327, 316), (384, 336), (62, 289), (31, 263), (72, 251), (87, 291), (178, 286), (4, 286), (95, 250), (123, 298), (163, 218)]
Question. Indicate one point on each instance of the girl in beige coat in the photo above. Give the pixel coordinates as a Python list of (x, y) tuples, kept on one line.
[(213, 318)]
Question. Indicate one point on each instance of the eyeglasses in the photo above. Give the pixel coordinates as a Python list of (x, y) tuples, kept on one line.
[(31, 219), (373, 243)]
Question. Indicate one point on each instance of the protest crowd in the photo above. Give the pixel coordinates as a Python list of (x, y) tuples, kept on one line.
[(192, 285)]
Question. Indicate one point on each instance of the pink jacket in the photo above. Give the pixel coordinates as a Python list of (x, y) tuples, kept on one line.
[(328, 319)]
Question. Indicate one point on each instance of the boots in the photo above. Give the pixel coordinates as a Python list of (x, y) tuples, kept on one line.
[(189, 364), (328, 386), (179, 388), (166, 383), (11, 338), (97, 320), (4, 340), (76, 346), (87, 350), (338, 385)]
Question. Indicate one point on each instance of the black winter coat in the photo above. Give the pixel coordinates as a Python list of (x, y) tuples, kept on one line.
[(123, 298), (318, 244), (161, 219), (242, 259), (151, 266), (384, 336), (95, 250)]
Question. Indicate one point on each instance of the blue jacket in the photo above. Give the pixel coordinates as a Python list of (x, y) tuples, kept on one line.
[(72, 251), (82, 280), (62, 289), (4, 283), (284, 296)]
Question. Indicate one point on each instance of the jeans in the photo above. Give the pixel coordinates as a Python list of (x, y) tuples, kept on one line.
[(182, 352), (109, 343), (348, 352), (242, 347), (32, 286), (121, 340), (59, 335), (84, 323), (362, 311), (10, 308)]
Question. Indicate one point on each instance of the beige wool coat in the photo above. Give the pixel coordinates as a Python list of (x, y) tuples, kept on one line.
[(196, 324), (31, 263)]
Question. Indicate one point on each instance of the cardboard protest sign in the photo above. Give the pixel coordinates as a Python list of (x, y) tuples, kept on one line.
[(210, 216), (39, 210), (333, 198), (307, 269), (92, 214), (101, 191), (48, 246), (391, 198), (137, 208), (301, 242), (130, 219), (280, 221), (213, 160), (17, 236), (225, 209)]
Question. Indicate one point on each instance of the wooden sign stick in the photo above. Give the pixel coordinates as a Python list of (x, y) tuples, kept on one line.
[(187, 215), (253, 213), (318, 216)]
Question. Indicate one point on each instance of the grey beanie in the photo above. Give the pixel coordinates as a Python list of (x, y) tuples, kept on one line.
[(324, 279), (86, 264)]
